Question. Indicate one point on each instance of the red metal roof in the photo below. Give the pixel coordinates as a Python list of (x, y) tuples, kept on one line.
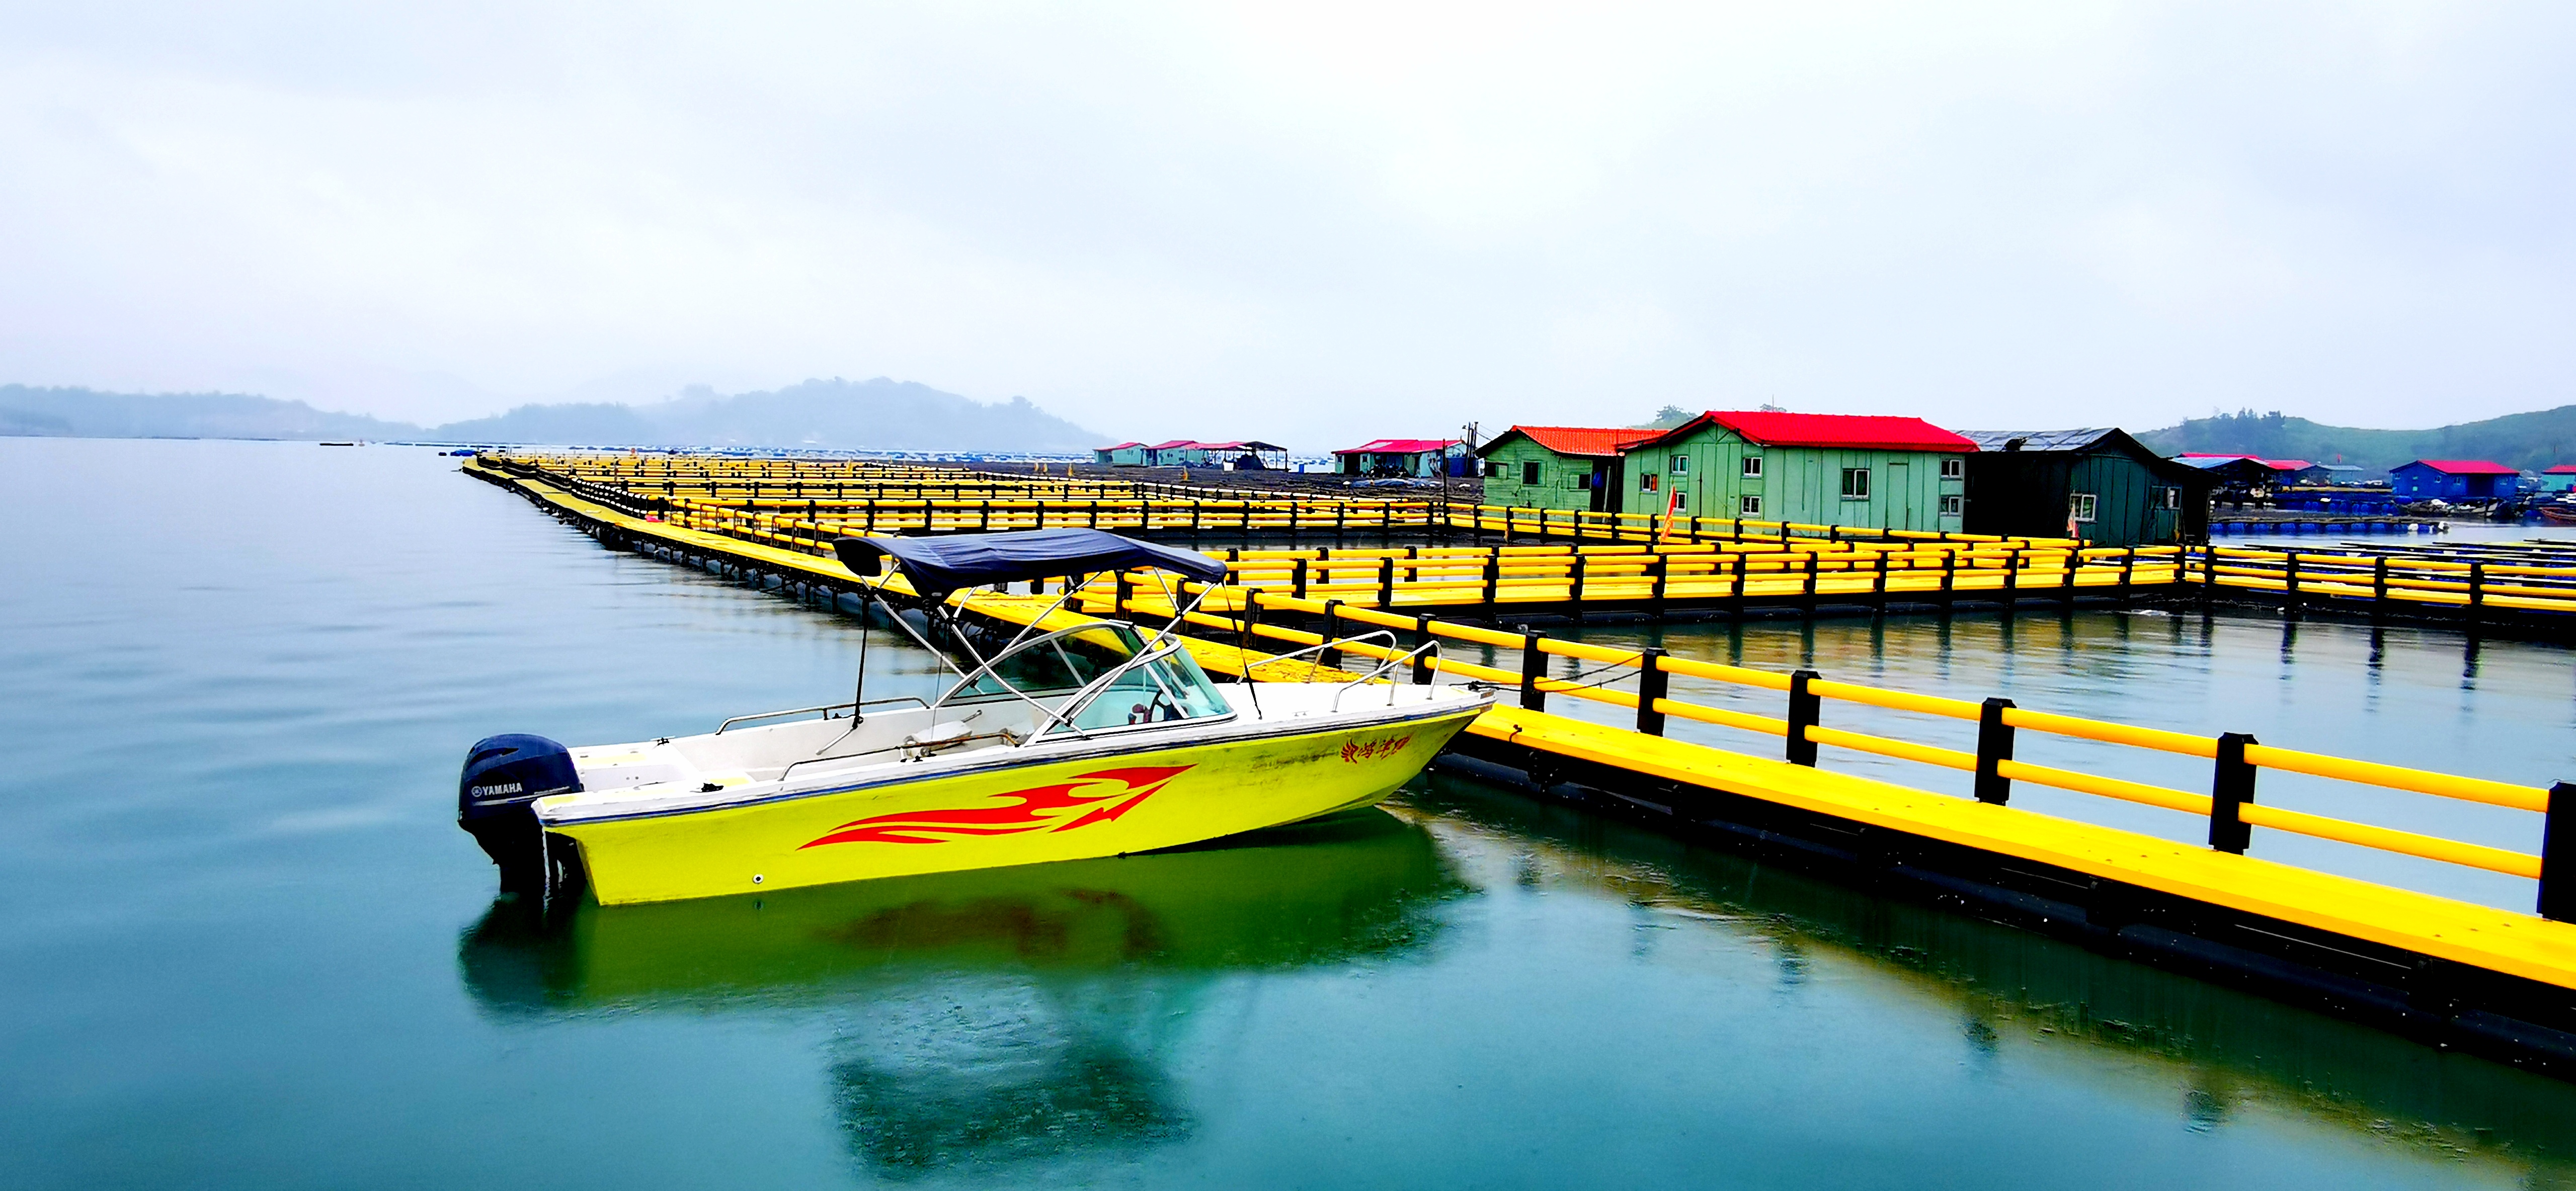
[(1119, 447), (1401, 446), (2563, 469), (2465, 467), (1585, 440), (1178, 442), (1867, 432)]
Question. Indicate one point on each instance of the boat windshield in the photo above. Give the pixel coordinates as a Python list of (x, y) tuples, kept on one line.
[(1165, 685)]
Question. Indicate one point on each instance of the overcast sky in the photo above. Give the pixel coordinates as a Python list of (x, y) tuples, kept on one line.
[(1310, 223)]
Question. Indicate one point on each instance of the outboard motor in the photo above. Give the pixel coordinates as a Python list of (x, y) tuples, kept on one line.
[(503, 774)]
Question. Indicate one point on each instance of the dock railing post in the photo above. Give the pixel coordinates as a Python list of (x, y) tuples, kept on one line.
[(1330, 656), (1421, 657), (1653, 684), (1658, 570), (2232, 786), (1533, 668), (1298, 587), (1574, 582), (2558, 855), (1119, 593), (1386, 582), (1994, 747), (2477, 590), (1493, 582), (1805, 711)]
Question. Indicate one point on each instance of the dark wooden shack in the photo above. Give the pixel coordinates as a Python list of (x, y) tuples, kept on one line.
[(2098, 485)]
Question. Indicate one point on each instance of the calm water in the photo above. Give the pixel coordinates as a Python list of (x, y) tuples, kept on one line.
[(247, 946)]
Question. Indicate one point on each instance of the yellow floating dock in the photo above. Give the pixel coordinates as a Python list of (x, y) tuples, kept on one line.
[(2447, 971)]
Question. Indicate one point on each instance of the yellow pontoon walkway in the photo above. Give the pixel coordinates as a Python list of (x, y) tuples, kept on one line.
[(2372, 916)]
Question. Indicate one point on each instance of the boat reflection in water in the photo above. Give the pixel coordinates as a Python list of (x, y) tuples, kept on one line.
[(991, 1016)]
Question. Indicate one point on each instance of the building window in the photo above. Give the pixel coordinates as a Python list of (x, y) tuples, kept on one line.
[(2083, 506), (1646, 482), (2173, 498), (1493, 469), (1951, 506), (1580, 481), (1753, 467), (1954, 469), (1529, 472), (1681, 500), (1855, 483), (1681, 465), (1750, 506)]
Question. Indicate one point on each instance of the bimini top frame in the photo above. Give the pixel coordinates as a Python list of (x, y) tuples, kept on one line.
[(938, 567)]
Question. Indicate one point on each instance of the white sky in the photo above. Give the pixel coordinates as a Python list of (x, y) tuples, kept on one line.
[(1310, 223)]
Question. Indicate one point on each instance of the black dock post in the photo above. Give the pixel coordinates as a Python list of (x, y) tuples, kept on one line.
[(1804, 712), (1386, 582), (2232, 787), (1533, 667), (2558, 855), (1653, 684), (1421, 658), (1994, 747), (1330, 656)]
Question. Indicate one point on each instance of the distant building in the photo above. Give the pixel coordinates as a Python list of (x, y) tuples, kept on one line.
[(2098, 485), (1557, 467), (2452, 479), (1244, 455), (1418, 457), (1125, 454), (2561, 478), (1166, 454), (1817, 469), (2240, 476)]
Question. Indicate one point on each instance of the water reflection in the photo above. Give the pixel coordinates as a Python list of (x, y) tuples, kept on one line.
[(2027, 1001), (999, 1017)]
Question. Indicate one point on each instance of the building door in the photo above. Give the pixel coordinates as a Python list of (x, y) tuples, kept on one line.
[(1605, 485), (1900, 497)]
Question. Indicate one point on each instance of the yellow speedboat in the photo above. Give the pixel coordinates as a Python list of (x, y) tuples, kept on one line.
[(1088, 740)]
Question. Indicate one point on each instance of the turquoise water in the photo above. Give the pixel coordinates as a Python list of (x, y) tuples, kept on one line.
[(248, 947)]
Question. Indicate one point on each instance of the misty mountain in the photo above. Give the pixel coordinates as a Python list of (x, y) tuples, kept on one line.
[(87, 413), (2531, 441), (878, 414)]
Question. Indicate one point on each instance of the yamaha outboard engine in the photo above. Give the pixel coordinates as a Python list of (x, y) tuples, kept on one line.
[(503, 774)]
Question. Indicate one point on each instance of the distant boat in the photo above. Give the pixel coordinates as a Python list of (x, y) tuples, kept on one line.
[(2558, 514), (339, 444)]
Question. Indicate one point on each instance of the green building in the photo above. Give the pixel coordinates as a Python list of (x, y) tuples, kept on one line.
[(2101, 486), (1556, 467), (1814, 469)]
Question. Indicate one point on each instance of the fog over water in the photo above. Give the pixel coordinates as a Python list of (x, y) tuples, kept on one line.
[(1314, 224)]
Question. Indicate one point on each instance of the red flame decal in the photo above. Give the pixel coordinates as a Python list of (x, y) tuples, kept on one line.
[(1032, 809)]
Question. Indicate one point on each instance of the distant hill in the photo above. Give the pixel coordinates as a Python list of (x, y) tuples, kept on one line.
[(87, 413), (878, 414), (2531, 441)]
